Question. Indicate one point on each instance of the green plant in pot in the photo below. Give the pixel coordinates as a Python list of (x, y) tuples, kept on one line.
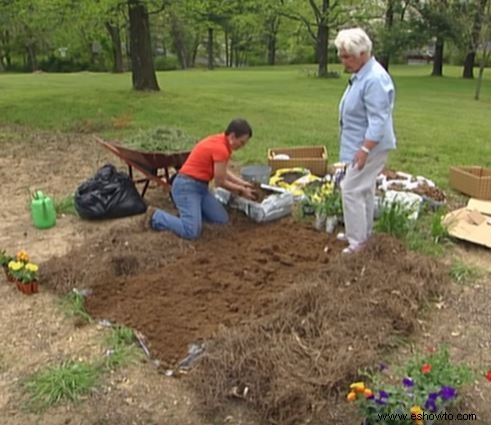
[(332, 208), (320, 214), (309, 202), (5, 259)]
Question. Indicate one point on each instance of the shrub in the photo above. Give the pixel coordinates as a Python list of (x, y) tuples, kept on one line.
[(166, 63)]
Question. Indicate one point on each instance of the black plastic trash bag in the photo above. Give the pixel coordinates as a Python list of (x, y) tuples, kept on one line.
[(109, 194)]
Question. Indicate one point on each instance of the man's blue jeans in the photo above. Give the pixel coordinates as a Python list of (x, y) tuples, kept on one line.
[(195, 203)]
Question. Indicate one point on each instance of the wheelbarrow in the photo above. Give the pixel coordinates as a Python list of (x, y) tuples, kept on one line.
[(157, 167)]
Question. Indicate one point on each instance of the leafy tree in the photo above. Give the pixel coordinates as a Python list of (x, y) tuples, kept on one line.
[(486, 51), (479, 14), (318, 28), (396, 33), (439, 19)]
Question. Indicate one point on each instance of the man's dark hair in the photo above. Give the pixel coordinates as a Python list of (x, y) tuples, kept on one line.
[(239, 127)]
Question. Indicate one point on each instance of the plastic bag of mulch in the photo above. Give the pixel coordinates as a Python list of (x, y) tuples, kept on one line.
[(109, 194)]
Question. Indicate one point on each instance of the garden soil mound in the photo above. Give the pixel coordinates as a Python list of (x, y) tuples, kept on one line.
[(285, 324), (177, 292), (290, 364)]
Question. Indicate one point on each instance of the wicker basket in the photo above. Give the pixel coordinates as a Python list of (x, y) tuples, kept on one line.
[(471, 180), (314, 158)]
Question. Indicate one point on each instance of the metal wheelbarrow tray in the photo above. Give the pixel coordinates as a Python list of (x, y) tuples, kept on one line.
[(154, 166)]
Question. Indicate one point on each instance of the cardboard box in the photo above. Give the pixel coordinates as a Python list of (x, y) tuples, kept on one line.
[(469, 225), (314, 158), (473, 181), (483, 207)]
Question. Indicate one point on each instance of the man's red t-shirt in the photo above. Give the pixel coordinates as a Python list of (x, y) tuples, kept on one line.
[(200, 161)]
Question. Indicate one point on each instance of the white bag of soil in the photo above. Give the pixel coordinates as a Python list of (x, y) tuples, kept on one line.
[(273, 207)]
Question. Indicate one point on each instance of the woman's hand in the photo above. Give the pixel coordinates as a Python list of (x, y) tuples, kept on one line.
[(248, 192), (360, 159)]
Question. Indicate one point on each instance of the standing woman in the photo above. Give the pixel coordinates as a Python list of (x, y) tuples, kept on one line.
[(366, 132), (207, 161)]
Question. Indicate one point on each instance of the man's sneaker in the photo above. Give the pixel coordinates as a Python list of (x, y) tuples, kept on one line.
[(341, 237), (146, 222)]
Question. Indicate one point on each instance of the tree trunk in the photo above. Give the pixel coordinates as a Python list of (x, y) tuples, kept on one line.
[(179, 43), (5, 59), (237, 57), (117, 52), (211, 64), (322, 40), (470, 58), (272, 33), (194, 53), (322, 49), (438, 58), (271, 49), (389, 23), (32, 62), (227, 53), (142, 66), (479, 81), (485, 57)]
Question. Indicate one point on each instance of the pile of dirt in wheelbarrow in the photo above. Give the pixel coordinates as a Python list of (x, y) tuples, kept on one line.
[(291, 365), (178, 292)]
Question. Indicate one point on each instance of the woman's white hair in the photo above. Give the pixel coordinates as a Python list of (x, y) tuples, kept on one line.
[(354, 41)]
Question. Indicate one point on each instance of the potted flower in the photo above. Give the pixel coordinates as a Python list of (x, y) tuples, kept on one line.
[(320, 213), (333, 208), (25, 275), (5, 259), (418, 394), (21, 257)]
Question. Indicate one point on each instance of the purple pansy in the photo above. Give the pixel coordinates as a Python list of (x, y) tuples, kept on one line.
[(384, 394), (430, 405), (448, 393), (408, 382), (382, 398)]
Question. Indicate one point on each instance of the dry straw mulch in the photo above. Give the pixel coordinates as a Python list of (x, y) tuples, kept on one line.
[(290, 366)]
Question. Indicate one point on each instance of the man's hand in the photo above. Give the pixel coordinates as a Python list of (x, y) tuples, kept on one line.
[(360, 159)]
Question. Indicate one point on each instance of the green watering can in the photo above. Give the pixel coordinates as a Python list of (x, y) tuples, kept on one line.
[(43, 211)]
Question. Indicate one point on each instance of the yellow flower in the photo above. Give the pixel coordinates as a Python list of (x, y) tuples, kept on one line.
[(32, 267), (15, 265), (351, 396), (358, 387), (22, 256), (416, 410), (367, 392)]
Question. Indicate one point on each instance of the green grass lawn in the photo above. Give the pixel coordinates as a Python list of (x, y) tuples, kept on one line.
[(438, 122)]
